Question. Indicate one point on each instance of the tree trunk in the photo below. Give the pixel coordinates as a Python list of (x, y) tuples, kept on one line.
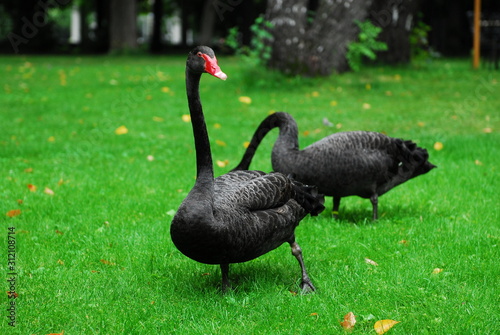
[(123, 25), (396, 18), (316, 44), (207, 23), (156, 45)]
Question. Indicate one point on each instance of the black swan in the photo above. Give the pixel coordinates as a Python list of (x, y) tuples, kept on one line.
[(366, 164), (240, 215)]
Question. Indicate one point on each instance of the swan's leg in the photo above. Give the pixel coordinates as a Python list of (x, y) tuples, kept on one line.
[(374, 200), (336, 206), (306, 284), (224, 268)]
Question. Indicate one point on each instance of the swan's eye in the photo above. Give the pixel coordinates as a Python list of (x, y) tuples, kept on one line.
[(199, 54)]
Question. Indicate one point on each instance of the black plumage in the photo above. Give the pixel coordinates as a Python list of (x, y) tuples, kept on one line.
[(240, 215), (366, 164)]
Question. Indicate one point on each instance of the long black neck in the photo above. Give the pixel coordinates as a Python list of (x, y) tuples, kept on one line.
[(204, 165), (287, 139)]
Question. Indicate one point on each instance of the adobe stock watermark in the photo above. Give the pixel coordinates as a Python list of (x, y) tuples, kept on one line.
[(223, 6), (31, 26)]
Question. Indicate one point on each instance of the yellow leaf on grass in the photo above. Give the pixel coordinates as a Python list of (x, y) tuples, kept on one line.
[(220, 143), (246, 144), (349, 321), (438, 146), (333, 103), (165, 89), (367, 106), (245, 100), (383, 326), (14, 212), (436, 271), (315, 94), (122, 130), (48, 191), (223, 163), (158, 119), (31, 187), (51, 139), (186, 118), (371, 262)]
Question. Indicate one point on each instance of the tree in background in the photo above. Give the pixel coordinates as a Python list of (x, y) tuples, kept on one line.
[(123, 25), (312, 38), (397, 18)]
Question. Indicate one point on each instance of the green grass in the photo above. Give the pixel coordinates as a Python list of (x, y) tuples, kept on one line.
[(96, 256)]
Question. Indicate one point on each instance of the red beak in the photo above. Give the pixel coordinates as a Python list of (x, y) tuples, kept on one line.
[(213, 68)]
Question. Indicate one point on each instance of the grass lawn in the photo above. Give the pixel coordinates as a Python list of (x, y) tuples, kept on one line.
[(96, 155)]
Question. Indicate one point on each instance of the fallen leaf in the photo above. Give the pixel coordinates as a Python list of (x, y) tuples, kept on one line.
[(245, 100), (186, 118), (217, 125), (371, 262), (150, 158), (315, 94), (14, 212), (246, 144), (488, 130), (478, 162), (436, 271), (61, 333), (59, 232), (60, 262), (383, 326), (368, 86), (420, 124), (51, 139), (327, 122), (103, 261), (333, 103), (165, 89), (28, 170), (223, 163), (122, 130), (48, 191), (20, 201), (397, 77), (149, 97), (367, 106), (158, 119), (438, 146), (12, 294), (31, 187), (388, 93), (349, 321), (220, 143)]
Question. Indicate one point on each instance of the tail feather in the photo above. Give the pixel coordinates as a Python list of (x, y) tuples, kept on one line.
[(308, 197), (415, 159)]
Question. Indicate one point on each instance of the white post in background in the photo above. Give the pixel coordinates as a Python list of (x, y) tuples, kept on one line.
[(75, 32)]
